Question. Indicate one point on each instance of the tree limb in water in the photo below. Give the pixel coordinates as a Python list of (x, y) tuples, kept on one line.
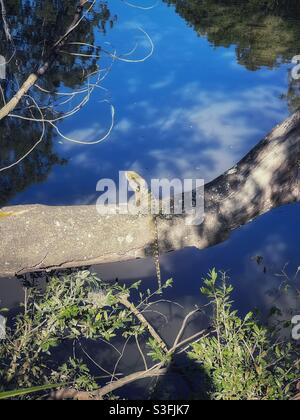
[(35, 238)]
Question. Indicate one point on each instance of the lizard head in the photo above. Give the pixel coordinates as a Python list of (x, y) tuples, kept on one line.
[(136, 182)]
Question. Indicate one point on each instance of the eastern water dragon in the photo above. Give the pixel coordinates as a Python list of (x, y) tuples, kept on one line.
[(145, 201)]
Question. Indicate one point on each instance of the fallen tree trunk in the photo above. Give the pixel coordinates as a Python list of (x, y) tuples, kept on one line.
[(35, 238)]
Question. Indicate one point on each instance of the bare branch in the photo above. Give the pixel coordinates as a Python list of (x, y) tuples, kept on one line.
[(124, 301), (113, 386), (5, 24), (33, 78), (183, 327)]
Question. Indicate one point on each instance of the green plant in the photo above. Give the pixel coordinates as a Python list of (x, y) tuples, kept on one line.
[(242, 359), (73, 306)]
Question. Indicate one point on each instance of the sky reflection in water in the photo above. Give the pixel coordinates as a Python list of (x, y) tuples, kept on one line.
[(189, 111)]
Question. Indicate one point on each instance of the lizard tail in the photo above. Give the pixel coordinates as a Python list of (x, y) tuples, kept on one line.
[(158, 270)]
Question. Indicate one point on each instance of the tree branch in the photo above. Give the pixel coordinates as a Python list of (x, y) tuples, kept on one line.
[(5, 24), (32, 78), (111, 387), (125, 302), (266, 178)]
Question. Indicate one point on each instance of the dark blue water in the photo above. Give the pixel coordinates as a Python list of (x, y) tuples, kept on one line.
[(191, 110), (204, 98)]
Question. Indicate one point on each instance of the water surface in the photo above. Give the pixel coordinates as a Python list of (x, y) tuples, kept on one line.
[(217, 82)]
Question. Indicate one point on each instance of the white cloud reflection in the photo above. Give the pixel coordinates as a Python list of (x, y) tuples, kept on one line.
[(208, 132)]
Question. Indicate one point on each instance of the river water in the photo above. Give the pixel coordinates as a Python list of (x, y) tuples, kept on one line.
[(218, 80)]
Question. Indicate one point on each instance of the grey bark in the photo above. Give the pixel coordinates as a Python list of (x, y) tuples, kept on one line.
[(37, 237)]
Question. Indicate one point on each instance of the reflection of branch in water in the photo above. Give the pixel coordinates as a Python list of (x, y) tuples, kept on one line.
[(88, 90), (114, 56), (33, 78), (136, 6), (5, 24), (66, 97), (9, 40), (34, 146)]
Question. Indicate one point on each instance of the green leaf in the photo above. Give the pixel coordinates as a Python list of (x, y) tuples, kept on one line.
[(248, 316), (21, 392)]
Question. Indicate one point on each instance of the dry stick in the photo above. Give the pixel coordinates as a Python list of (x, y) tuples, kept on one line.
[(184, 324), (32, 78), (151, 373), (10, 106), (193, 338), (155, 371), (99, 394), (141, 352), (124, 301)]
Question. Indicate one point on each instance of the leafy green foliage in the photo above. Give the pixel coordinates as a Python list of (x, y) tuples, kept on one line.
[(242, 359), (156, 352), (74, 306)]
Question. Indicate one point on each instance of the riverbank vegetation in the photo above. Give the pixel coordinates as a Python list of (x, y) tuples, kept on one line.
[(46, 353), (70, 337)]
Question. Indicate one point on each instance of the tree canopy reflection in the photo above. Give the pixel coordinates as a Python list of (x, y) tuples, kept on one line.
[(35, 25), (265, 33)]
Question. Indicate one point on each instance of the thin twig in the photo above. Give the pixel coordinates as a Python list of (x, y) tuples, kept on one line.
[(141, 352), (183, 326), (124, 301), (5, 24)]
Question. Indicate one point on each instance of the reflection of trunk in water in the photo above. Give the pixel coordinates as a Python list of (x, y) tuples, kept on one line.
[(266, 178)]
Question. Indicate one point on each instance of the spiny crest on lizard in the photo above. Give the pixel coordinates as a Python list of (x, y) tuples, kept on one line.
[(144, 199)]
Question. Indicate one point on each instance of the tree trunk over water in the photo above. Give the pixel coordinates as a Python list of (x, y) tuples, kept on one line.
[(35, 238)]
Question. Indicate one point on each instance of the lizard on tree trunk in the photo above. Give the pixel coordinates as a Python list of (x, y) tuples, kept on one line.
[(145, 202)]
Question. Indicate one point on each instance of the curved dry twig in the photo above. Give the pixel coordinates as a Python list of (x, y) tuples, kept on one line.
[(136, 6), (114, 56)]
